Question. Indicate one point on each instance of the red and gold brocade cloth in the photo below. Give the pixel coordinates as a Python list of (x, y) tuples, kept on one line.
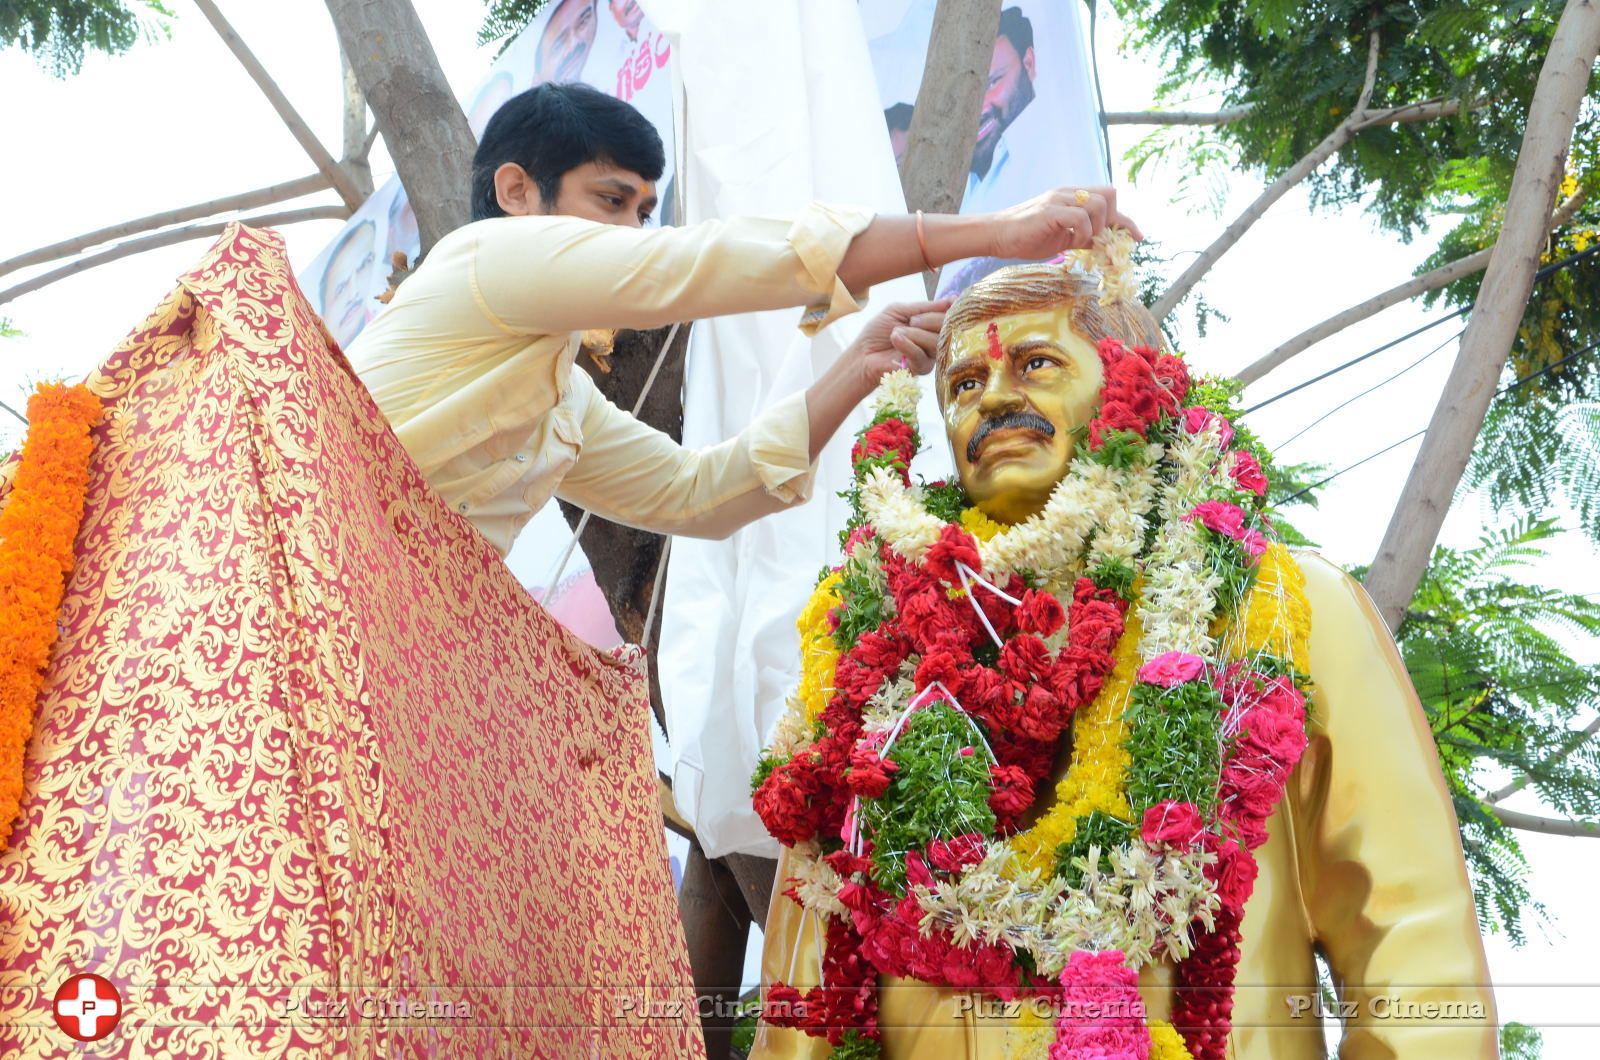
[(308, 760)]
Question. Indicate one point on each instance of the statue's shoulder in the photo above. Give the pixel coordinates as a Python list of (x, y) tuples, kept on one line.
[(1340, 607), (1321, 573)]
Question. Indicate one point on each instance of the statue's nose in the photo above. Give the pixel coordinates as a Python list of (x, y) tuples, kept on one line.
[(999, 396)]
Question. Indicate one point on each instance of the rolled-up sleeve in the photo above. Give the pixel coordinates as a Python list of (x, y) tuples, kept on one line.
[(547, 275), (633, 474)]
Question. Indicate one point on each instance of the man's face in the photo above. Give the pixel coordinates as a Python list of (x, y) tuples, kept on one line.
[(1010, 90), (598, 192), (565, 43), (1017, 393), (345, 306), (628, 15)]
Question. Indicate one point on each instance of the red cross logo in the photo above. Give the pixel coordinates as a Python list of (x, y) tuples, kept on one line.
[(87, 1007)]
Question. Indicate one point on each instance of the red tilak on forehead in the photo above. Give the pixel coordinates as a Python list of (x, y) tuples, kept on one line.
[(994, 342)]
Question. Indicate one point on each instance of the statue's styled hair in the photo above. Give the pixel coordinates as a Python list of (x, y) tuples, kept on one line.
[(1026, 288)]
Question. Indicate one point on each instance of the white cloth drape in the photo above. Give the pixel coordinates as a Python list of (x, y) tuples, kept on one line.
[(777, 110)]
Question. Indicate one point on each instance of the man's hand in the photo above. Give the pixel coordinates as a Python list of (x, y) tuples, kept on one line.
[(1059, 220), (905, 334)]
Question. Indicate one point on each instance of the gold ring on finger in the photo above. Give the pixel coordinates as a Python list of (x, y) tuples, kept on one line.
[(1081, 195)]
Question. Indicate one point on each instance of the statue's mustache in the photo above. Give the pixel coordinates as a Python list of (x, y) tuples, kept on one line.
[(1024, 420)]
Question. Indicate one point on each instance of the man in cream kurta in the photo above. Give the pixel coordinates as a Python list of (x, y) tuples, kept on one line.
[(473, 365)]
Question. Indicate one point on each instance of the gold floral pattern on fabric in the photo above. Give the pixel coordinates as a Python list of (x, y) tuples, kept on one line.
[(312, 775)]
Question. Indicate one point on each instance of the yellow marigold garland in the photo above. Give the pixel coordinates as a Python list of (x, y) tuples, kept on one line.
[(1166, 1043), (979, 525), (818, 654), (1277, 619), (38, 529)]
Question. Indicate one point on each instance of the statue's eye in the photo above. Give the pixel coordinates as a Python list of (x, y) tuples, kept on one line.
[(1038, 362), (963, 385)]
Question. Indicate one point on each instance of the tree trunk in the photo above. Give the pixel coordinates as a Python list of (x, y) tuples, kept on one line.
[(944, 122), (626, 560), (354, 157), (418, 115), (1408, 543), (709, 900)]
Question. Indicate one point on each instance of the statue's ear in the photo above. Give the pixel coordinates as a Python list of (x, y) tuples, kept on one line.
[(1027, 62)]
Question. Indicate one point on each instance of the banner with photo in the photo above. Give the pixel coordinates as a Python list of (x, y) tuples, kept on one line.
[(1040, 123)]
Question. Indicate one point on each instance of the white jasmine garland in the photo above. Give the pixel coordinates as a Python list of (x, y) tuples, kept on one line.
[(1180, 589), (815, 881), (1129, 907)]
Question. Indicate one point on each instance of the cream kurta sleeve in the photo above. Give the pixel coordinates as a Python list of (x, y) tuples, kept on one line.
[(1381, 870), (545, 275), (631, 473)]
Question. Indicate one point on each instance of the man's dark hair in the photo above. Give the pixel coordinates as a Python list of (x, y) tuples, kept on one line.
[(1015, 27), (555, 128), (898, 116)]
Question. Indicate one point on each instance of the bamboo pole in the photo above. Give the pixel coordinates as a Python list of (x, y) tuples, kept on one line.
[(248, 200), (347, 189), (167, 239)]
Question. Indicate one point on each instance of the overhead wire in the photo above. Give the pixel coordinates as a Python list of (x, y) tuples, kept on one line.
[(1498, 393), (1371, 388), (1553, 267)]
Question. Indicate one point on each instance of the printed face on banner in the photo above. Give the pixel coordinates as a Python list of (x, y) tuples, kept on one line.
[(488, 100), (1010, 88), (1039, 126), (346, 302), (566, 42), (628, 15)]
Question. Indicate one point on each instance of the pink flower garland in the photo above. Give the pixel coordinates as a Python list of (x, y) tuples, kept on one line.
[(1102, 1015)]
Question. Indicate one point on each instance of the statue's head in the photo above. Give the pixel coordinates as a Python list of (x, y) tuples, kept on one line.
[(1018, 377)]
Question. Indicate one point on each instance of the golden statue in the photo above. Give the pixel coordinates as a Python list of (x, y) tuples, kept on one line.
[(1361, 860)]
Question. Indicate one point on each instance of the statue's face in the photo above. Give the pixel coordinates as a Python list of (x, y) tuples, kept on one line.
[(1018, 392)]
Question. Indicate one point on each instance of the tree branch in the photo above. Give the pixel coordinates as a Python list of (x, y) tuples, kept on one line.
[(1355, 122), (347, 189), (1371, 78), (167, 239), (1432, 280), (1252, 213), (248, 200), (1176, 117), (1548, 825), (1578, 739), (1421, 110), (1408, 541)]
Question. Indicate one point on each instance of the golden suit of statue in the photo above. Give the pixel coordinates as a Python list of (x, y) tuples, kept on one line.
[(1364, 860)]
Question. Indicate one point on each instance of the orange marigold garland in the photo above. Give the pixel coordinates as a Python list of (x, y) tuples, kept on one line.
[(38, 529)]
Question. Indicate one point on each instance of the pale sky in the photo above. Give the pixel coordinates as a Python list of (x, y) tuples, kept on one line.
[(179, 122)]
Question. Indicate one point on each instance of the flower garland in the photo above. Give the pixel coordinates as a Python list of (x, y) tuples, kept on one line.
[(1145, 607), (38, 528)]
